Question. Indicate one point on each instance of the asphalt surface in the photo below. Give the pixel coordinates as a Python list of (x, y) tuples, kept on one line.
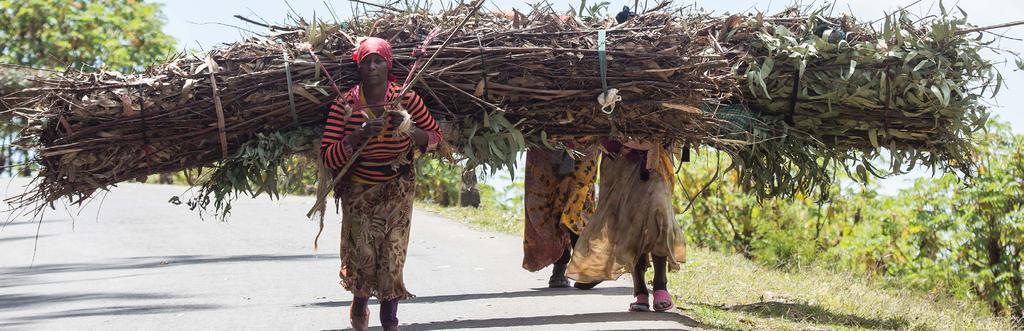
[(137, 262)]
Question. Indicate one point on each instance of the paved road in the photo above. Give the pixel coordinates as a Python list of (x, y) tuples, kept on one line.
[(140, 263)]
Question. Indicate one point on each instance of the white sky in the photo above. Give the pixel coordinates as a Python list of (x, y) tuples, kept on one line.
[(194, 24)]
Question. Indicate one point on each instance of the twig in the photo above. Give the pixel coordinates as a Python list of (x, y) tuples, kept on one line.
[(228, 25), (292, 9), (378, 6), (330, 9), (269, 26), (897, 10), (1004, 36), (991, 27)]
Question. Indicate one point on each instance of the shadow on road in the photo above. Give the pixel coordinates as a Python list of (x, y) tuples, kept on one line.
[(9, 302), (152, 262), (608, 291), (105, 311), (554, 320), (7, 222), (14, 277), (19, 238)]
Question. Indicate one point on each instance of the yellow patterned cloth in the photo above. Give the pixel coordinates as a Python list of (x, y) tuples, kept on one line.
[(555, 203), (578, 192)]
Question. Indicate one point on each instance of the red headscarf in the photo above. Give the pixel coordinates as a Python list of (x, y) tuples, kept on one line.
[(374, 45)]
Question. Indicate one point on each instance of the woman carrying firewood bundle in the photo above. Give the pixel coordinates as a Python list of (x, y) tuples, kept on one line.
[(559, 199), (634, 220), (378, 190)]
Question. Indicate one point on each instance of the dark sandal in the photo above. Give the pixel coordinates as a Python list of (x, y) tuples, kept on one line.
[(586, 286), (558, 282), (640, 305)]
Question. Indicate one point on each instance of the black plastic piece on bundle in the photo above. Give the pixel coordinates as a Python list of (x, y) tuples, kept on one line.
[(624, 15), (834, 37)]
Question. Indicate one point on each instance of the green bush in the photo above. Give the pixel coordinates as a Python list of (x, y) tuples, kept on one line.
[(943, 235)]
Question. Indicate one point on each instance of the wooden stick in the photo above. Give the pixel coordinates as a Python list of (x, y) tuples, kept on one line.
[(901, 8), (268, 26), (220, 116), (991, 27), (378, 6)]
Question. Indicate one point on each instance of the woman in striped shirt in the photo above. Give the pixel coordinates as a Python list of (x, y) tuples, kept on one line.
[(378, 192)]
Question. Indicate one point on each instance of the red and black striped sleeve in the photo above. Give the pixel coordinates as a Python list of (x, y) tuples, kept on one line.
[(422, 119), (336, 146)]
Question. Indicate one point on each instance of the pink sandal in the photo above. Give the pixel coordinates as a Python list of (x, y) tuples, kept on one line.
[(663, 301), (641, 304)]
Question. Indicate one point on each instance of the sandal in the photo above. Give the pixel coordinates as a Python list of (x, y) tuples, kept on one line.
[(586, 286), (558, 279), (663, 301), (558, 282), (641, 304)]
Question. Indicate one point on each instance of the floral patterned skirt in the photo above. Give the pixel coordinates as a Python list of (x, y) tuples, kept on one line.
[(375, 237)]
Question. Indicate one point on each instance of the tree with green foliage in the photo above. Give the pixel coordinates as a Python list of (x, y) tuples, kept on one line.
[(122, 35), (438, 181), (969, 236)]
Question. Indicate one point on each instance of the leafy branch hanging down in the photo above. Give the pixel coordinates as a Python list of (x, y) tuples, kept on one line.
[(256, 168)]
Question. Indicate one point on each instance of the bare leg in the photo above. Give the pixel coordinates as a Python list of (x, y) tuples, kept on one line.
[(660, 273), (640, 286), (359, 313), (639, 275), (662, 299), (558, 279)]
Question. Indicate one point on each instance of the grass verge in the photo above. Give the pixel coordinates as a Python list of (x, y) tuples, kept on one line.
[(487, 218), (730, 292)]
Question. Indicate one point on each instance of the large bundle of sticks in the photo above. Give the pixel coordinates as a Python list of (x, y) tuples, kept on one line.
[(788, 96)]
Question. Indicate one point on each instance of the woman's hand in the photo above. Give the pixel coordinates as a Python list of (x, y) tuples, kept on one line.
[(369, 130), (395, 118), (419, 138)]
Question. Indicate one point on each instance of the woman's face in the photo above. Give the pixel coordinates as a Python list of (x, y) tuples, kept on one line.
[(373, 70)]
